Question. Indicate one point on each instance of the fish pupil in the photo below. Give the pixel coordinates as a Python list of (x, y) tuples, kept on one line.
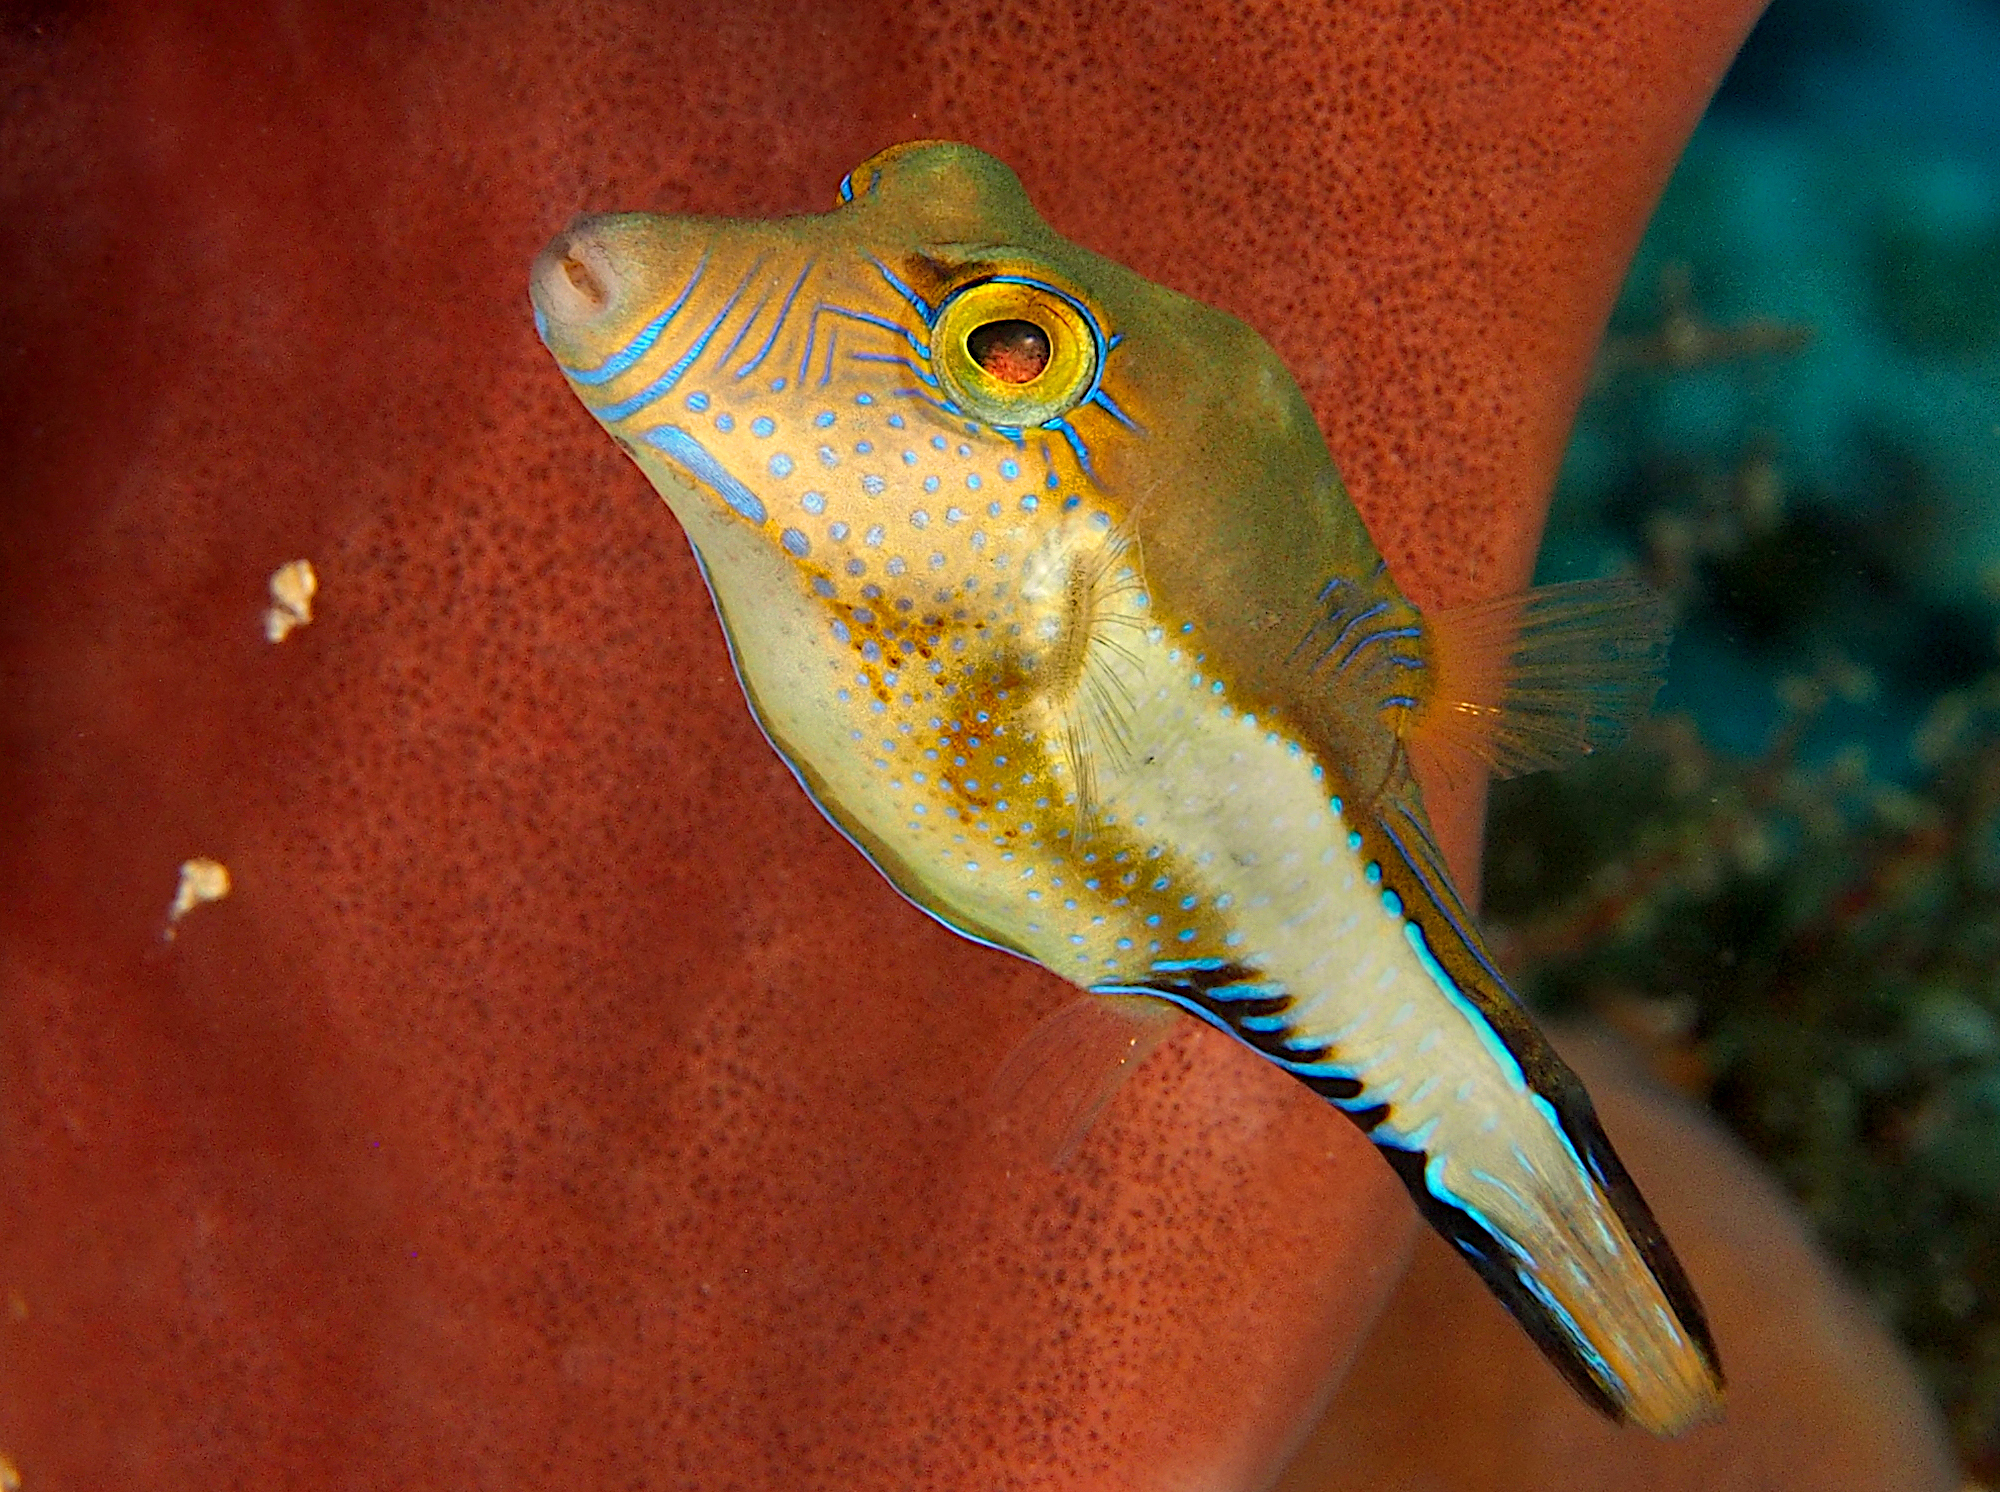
[(1012, 351)]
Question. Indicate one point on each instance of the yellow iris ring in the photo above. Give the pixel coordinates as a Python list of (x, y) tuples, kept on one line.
[(1050, 394)]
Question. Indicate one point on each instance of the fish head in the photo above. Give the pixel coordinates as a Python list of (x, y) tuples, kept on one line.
[(920, 385), (933, 292), (933, 456)]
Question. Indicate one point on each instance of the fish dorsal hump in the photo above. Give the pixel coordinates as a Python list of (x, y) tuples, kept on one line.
[(940, 192)]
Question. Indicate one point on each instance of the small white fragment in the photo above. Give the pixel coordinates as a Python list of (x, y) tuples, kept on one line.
[(202, 880), (293, 587)]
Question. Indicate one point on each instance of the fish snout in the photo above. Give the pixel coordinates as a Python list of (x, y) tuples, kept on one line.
[(577, 279)]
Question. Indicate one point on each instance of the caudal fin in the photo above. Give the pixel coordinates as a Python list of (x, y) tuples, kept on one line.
[(1593, 1283)]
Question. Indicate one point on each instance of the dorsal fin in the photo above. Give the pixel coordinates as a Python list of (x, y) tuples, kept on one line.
[(1534, 680)]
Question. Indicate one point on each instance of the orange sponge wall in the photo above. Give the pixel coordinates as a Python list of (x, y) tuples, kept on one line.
[(554, 1100)]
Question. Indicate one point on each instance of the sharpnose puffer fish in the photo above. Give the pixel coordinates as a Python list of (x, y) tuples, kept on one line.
[(1041, 579)]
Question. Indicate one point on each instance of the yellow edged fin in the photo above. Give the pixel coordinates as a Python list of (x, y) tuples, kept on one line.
[(1531, 681)]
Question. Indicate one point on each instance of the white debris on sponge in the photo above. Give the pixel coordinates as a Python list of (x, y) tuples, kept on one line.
[(293, 587), (202, 880)]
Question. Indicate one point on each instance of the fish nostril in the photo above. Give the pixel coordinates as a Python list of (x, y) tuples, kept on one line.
[(586, 283)]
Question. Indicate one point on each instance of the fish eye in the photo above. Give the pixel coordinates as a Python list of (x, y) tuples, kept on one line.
[(1015, 352)]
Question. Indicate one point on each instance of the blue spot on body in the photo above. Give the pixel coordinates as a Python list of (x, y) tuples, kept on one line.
[(763, 425), (814, 503), (1029, 503), (796, 543), (972, 481), (1010, 469), (725, 422), (823, 418), (873, 485), (781, 465), (697, 402)]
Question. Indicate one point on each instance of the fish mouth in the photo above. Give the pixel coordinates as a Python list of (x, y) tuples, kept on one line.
[(576, 279)]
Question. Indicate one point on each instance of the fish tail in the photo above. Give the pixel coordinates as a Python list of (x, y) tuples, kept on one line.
[(1500, 1148), (1505, 1157), (1580, 1262)]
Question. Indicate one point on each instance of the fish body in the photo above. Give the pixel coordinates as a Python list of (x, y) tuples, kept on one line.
[(1042, 579)]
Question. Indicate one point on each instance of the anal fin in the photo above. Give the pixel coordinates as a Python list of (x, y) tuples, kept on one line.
[(1058, 1078)]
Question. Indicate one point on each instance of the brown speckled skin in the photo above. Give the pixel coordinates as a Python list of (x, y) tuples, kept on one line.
[(557, 1102)]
